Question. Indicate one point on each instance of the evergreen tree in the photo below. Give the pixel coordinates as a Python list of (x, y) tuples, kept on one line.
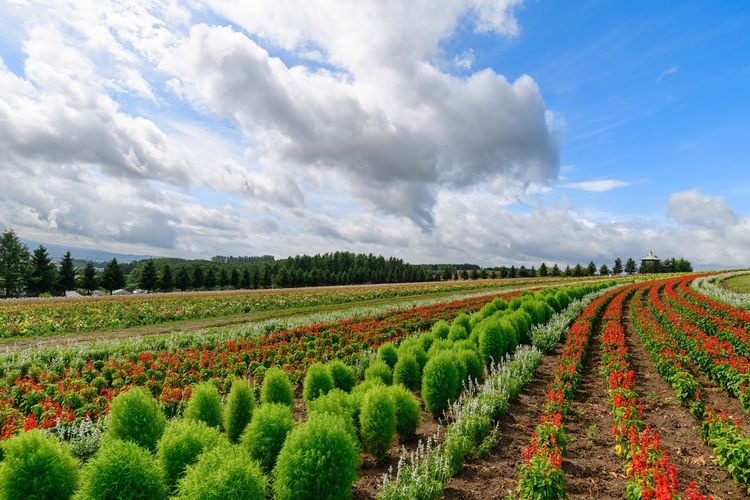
[(591, 269), (617, 268), (43, 273), (234, 278), (543, 270), (88, 280), (211, 278), (247, 280), (464, 274), (149, 277), (630, 266), (568, 272), (112, 278), (578, 270), (67, 275), (555, 270), (604, 270), (14, 261), (223, 278), (167, 281), (183, 279), (199, 280)]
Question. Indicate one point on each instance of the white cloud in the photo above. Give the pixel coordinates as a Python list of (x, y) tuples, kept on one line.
[(597, 186), (694, 208), (672, 70)]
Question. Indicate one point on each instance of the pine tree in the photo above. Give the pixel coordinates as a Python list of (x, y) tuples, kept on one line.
[(223, 278), (591, 269), (617, 268), (556, 270), (199, 280), (604, 270), (166, 283), (112, 278), (43, 272), (630, 266), (149, 277), (67, 276), (14, 260), (183, 279), (235, 278), (89, 281), (246, 279), (211, 278), (543, 270)]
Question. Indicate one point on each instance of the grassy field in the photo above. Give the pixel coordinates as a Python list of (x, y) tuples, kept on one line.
[(739, 283)]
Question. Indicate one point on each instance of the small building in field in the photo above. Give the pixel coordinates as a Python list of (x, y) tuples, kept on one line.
[(650, 263)]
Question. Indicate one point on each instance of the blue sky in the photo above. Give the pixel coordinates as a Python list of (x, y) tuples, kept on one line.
[(496, 132)]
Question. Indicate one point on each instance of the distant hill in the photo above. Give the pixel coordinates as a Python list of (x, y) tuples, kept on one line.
[(57, 251)]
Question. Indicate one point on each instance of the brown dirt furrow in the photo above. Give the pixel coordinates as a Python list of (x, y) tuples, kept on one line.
[(592, 470), (497, 475)]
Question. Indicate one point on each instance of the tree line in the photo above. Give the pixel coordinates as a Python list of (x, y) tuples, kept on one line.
[(25, 273)]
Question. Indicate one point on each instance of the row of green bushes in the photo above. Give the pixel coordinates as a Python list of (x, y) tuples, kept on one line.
[(231, 450)]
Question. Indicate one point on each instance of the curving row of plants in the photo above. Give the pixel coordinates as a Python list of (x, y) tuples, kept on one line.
[(319, 456), (709, 286), (540, 473), (723, 433)]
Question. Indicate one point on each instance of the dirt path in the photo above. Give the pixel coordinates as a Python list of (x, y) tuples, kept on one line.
[(592, 470), (679, 431), (497, 475)]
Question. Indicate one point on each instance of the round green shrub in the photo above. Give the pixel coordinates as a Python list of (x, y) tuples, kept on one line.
[(440, 329), (563, 298), (440, 346), (377, 421), (379, 369), (492, 342), (36, 466), (276, 387), (440, 382), (522, 323), (358, 395), (457, 332), (317, 382), (336, 402), (319, 459), (387, 352), (426, 340), (136, 416), (204, 405), (464, 320), (407, 371), (239, 408), (183, 441), (224, 472), (122, 470), (553, 303), (471, 361), (407, 412), (417, 351), (266, 433), (342, 375), (499, 304), (515, 304)]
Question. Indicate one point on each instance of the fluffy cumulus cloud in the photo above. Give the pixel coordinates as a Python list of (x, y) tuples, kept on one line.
[(222, 126)]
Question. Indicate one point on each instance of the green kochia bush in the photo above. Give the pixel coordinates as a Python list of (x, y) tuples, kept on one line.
[(135, 416), (407, 412), (458, 332), (224, 472), (377, 421), (36, 466), (441, 329), (440, 382), (205, 405), (318, 460), (317, 382), (336, 402), (239, 409), (379, 369), (471, 361), (464, 320), (122, 470), (407, 371), (183, 441), (358, 395), (342, 375), (387, 352), (496, 339), (276, 387), (266, 433)]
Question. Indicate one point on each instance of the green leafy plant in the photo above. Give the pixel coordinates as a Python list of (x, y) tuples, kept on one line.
[(407, 371), (336, 402), (135, 416), (266, 433), (377, 421), (379, 369), (388, 353), (123, 470), (224, 472), (440, 382), (342, 375), (317, 382), (319, 459), (471, 361), (205, 405), (183, 441), (36, 466), (276, 387), (239, 408), (407, 412)]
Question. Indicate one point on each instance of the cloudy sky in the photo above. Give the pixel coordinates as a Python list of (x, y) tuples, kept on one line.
[(488, 131)]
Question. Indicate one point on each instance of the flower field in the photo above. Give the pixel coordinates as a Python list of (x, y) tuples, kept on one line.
[(643, 392), (43, 317)]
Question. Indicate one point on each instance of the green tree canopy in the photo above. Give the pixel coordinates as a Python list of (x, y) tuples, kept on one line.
[(149, 278), (89, 281), (14, 261), (67, 275), (43, 272), (112, 277)]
